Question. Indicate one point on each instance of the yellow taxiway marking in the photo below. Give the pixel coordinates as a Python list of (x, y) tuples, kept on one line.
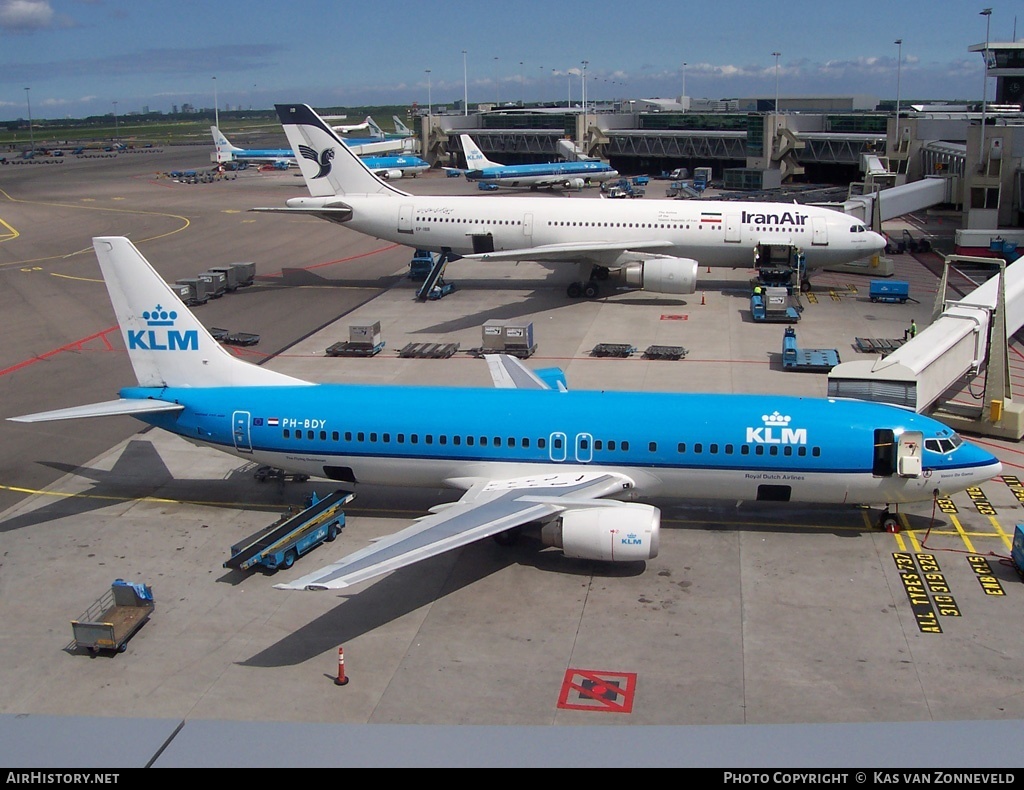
[(12, 233), (158, 500)]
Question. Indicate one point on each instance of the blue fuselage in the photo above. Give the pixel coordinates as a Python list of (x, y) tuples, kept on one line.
[(676, 445)]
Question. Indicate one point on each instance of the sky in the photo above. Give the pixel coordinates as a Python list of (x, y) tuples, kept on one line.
[(95, 57)]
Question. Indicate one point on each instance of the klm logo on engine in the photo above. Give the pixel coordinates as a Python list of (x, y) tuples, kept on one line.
[(631, 540), (776, 430), (161, 335)]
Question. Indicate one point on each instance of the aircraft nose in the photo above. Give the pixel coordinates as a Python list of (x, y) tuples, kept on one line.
[(877, 241)]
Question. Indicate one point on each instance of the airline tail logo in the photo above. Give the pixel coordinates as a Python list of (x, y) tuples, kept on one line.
[(323, 159), (776, 430), (161, 336)]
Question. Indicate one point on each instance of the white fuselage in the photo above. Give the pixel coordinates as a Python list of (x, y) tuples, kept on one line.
[(715, 233)]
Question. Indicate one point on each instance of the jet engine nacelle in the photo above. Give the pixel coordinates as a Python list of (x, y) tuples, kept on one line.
[(661, 274), (387, 175), (575, 183), (611, 533)]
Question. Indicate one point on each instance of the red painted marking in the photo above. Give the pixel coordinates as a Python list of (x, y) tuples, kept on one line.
[(608, 692), (77, 345), (669, 317)]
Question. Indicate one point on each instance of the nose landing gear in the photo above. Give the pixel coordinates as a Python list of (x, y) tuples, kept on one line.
[(889, 522)]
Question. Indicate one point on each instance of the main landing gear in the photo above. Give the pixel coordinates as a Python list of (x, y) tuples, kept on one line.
[(590, 288)]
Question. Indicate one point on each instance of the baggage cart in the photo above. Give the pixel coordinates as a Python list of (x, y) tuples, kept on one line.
[(110, 622)]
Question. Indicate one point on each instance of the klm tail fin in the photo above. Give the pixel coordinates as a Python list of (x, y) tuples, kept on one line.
[(167, 345), (329, 167), (224, 150), (400, 127), (375, 131), (475, 159)]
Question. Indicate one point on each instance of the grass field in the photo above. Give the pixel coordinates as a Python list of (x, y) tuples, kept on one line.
[(47, 133)]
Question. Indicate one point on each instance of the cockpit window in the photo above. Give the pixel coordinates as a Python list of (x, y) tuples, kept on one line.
[(943, 445), (858, 229)]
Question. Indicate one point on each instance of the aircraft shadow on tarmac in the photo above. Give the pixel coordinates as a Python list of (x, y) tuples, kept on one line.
[(140, 473), (409, 588)]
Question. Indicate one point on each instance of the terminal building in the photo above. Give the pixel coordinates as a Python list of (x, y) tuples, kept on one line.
[(752, 146)]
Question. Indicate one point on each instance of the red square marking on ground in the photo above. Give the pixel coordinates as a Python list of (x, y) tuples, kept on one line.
[(608, 692), (670, 317)]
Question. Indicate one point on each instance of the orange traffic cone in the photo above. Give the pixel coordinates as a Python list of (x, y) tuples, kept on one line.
[(702, 298), (341, 680)]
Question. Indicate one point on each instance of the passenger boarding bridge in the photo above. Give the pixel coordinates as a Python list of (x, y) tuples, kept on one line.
[(967, 339)]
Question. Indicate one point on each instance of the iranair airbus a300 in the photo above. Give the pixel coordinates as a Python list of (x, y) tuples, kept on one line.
[(656, 245), (527, 451)]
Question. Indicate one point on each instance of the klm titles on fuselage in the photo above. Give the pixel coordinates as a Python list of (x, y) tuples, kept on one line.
[(785, 218)]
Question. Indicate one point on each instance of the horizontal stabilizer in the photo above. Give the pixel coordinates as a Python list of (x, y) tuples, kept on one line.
[(333, 213), (108, 408)]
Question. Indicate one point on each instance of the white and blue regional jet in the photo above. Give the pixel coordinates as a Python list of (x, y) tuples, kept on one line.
[(528, 451), (656, 245), (554, 175), (386, 167)]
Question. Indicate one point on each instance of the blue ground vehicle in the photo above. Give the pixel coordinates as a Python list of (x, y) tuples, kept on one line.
[(421, 264), (889, 291), (282, 543)]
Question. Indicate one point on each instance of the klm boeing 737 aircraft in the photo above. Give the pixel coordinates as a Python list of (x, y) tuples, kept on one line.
[(527, 451), (656, 245), (387, 167), (561, 175)]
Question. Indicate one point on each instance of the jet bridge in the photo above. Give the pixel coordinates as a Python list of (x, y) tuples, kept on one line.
[(969, 334), (897, 201)]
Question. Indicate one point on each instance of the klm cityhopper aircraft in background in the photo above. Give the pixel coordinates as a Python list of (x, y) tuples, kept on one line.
[(560, 175), (656, 245), (527, 451)]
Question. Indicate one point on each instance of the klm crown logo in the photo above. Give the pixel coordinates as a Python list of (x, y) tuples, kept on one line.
[(161, 336), (776, 419), (159, 317)]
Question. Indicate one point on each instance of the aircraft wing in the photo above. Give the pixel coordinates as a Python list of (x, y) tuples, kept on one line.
[(487, 508), (509, 373), (602, 251)]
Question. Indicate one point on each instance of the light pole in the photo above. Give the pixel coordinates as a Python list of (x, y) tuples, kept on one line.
[(899, 65), (31, 137), (684, 79), (116, 135), (430, 104), (522, 86), (497, 91), (777, 55), (216, 117), (987, 13), (583, 88), (465, 86)]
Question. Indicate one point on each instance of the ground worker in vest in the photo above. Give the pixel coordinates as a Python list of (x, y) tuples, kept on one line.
[(912, 332)]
